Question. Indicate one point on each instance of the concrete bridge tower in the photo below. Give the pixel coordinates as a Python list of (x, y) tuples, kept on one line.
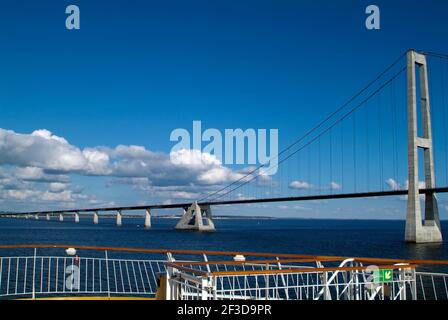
[(429, 230), (196, 218)]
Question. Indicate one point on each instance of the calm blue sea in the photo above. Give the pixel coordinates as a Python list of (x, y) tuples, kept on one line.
[(315, 237)]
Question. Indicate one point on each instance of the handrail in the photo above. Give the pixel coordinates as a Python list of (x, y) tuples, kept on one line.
[(227, 262), (278, 271)]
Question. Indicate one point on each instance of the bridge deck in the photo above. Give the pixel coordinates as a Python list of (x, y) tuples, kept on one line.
[(245, 201)]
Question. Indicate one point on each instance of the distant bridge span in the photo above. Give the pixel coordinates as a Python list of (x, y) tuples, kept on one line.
[(243, 201)]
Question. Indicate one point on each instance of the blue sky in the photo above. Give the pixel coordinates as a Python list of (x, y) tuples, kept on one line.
[(136, 70)]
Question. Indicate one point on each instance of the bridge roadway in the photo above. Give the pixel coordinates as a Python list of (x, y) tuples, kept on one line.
[(245, 201)]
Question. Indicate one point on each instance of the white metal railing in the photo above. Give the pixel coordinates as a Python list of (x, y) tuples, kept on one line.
[(357, 283), (431, 286), (193, 275), (32, 276)]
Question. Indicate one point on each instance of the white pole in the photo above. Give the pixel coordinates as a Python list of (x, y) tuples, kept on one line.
[(148, 219), (119, 218)]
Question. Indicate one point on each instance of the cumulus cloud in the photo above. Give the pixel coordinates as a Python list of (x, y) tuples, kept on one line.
[(299, 185), (57, 186), (394, 185), (39, 149), (42, 155), (20, 194), (37, 167), (335, 186), (97, 162), (38, 175)]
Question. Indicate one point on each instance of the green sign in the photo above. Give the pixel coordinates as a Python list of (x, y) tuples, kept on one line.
[(383, 275)]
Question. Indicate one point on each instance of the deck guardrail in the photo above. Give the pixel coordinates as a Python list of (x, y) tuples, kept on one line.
[(42, 271)]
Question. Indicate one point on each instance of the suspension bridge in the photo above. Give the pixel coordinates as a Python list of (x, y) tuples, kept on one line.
[(389, 139)]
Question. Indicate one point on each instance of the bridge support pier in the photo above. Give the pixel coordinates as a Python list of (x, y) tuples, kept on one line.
[(95, 217), (118, 220), (196, 218), (148, 218), (416, 230), (77, 217), (61, 217)]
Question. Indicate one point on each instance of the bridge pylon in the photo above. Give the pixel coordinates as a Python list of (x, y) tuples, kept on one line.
[(429, 230), (196, 218)]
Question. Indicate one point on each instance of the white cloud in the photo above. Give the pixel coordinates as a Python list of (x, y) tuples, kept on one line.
[(42, 155), (20, 194), (193, 159), (241, 196), (97, 162), (335, 186), (57, 186), (39, 149), (64, 196), (38, 167), (394, 185), (37, 174), (299, 185)]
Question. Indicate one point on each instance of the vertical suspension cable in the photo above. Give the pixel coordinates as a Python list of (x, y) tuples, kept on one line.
[(319, 163), (394, 132), (380, 143), (309, 169), (331, 162), (342, 156), (367, 150), (354, 151), (288, 175)]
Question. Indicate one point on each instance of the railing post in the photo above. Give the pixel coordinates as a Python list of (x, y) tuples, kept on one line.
[(327, 295), (204, 288), (414, 284), (401, 283), (34, 274), (168, 289), (107, 273), (357, 286), (283, 279), (168, 283)]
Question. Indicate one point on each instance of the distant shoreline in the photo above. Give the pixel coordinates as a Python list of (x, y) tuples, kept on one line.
[(220, 217)]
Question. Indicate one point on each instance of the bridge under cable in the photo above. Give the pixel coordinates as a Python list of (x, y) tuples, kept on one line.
[(389, 139)]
